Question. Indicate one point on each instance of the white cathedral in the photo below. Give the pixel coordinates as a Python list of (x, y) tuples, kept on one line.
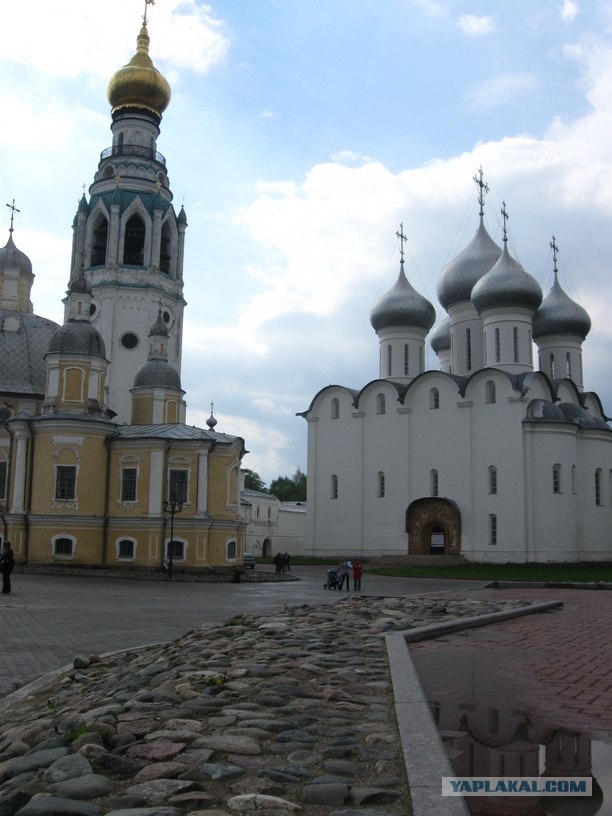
[(489, 457)]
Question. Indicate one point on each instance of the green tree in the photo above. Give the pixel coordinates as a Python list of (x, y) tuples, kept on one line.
[(290, 489), (253, 481)]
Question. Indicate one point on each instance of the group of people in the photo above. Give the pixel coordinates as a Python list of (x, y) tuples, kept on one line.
[(348, 569), (7, 562), (282, 562)]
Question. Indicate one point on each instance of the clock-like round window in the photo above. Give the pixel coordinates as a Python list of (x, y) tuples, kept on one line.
[(129, 340)]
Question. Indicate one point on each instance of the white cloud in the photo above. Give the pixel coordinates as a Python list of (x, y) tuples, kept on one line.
[(69, 39), (569, 11), (476, 25), (500, 90)]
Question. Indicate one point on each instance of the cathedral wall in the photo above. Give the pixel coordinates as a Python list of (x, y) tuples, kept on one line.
[(334, 449)]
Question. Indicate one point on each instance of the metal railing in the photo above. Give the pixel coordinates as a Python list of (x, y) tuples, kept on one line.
[(133, 150)]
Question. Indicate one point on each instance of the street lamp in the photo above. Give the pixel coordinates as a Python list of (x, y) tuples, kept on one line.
[(172, 506)]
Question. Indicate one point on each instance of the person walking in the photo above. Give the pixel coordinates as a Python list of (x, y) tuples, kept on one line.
[(7, 562), (344, 573), (357, 573)]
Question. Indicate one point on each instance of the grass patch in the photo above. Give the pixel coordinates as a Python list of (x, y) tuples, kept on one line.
[(575, 573)]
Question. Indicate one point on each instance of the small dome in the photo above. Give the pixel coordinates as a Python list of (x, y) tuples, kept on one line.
[(77, 337), (440, 338), (157, 373), (159, 328), (139, 84), (402, 305), (507, 284), (461, 274), (12, 257), (182, 216), (80, 286), (559, 314)]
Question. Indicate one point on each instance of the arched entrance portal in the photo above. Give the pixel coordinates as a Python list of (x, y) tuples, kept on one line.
[(434, 527), (266, 550)]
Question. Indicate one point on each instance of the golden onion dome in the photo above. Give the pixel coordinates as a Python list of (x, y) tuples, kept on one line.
[(139, 84)]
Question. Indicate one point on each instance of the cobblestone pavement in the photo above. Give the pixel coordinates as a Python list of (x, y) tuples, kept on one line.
[(291, 712), (46, 620)]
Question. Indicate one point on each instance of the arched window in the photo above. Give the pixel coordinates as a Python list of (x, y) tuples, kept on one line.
[(492, 479), (99, 241), (406, 359), (434, 483), (133, 247), (434, 399), (231, 551), (574, 484), (497, 346), (380, 480), (178, 550), (165, 248), (335, 408), (63, 546), (334, 486), (490, 393), (126, 549), (556, 475), (389, 360), (552, 366), (380, 404), (598, 496), (568, 365), (493, 529)]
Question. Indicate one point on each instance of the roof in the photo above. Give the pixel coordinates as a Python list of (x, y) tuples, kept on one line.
[(176, 431)]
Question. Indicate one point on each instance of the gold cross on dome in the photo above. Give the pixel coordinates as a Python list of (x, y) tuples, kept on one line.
[(147, 3)]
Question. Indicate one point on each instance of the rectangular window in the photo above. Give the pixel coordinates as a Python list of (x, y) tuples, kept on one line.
[(516, 344), (406, 359), (3, 473), (178, 485), (468, 350), (568, 365), (128, 484), (552, 366), (389, 360), (63, 547), (65, 482), (497, 346)]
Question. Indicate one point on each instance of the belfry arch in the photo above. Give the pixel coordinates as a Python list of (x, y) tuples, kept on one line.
[(433, 525)]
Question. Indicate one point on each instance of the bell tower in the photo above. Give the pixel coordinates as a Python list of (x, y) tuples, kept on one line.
[(128, 240)]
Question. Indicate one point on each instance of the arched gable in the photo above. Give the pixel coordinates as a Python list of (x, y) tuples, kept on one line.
[(366, 398), (591, 401), (566, 391), (504, 385), (433, 390), (322, 400)]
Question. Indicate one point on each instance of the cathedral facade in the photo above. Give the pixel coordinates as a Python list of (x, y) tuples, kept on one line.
[(500, 455), (97, 465)]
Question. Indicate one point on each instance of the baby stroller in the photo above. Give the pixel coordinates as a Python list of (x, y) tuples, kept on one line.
[(333, 580)]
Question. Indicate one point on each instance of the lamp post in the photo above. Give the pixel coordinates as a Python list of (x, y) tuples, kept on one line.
[(172, 506)]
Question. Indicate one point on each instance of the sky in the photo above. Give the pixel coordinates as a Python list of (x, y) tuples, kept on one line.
[(299, 137)]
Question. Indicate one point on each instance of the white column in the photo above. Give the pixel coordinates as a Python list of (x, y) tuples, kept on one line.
[(19, 479)]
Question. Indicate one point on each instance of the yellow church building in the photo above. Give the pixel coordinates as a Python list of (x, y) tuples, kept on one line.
[(98, 468)]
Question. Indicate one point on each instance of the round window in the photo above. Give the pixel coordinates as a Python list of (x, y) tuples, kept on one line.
[(166, 317), (129, 340)]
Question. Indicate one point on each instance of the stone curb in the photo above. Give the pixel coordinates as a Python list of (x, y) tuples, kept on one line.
[(425, 758), (547, 585)]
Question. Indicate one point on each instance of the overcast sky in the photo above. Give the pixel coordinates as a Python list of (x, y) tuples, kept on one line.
[(300, 134)]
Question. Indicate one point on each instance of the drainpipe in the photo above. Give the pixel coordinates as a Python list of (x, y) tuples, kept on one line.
[(161, 499), (108, 442)]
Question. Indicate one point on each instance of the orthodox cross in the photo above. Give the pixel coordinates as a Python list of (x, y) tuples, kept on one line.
[(403, 240), (147, 3), (505, 216), (13, 210), (555, 249), (483, 188)]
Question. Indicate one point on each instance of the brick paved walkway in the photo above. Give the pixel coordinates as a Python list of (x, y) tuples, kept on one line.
[(561, 660)]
